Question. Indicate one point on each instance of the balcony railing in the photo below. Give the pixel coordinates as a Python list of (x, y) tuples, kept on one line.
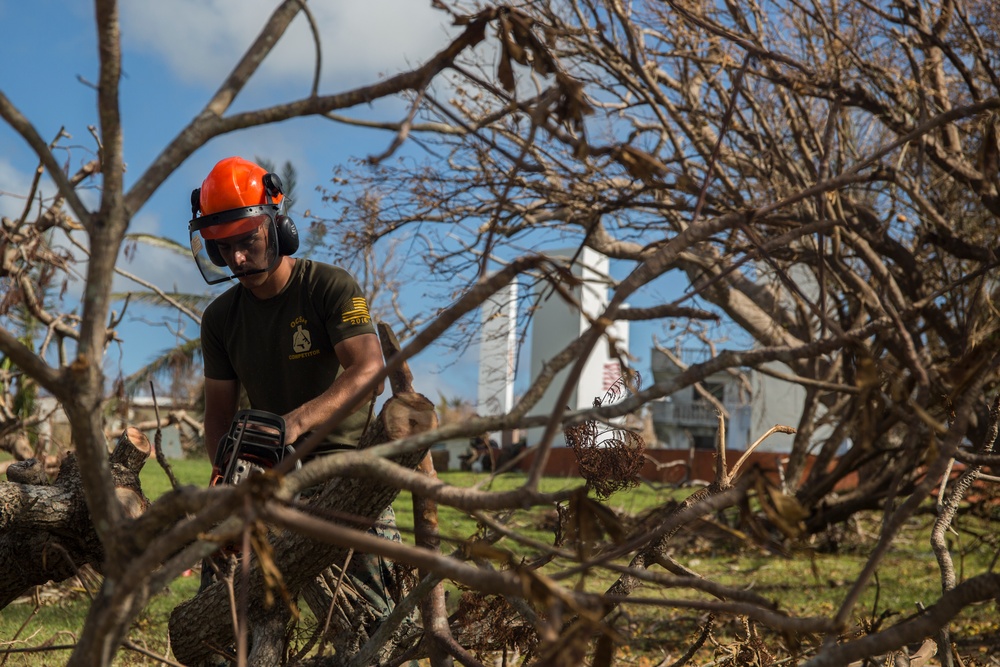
[(689, 414)]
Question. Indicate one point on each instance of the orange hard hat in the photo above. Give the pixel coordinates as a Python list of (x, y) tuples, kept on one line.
[(235, 183)]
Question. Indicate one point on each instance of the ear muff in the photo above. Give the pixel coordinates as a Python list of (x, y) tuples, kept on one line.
[(288, 235), (212, 250)]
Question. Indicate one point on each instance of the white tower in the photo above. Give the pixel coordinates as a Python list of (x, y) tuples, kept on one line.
[(498, 355), (556, 323)]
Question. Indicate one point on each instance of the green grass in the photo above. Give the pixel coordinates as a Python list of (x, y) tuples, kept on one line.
[(57, 621), (456, 525), (187, 471)]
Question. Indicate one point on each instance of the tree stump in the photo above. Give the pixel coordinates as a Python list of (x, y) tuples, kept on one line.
[(46, 533)]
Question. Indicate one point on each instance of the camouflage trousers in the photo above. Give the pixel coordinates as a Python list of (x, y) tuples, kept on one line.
[(372, 577), (356, 598)]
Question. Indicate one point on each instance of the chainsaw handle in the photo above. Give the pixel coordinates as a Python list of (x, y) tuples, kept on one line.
[(249, 429), (260, 418)]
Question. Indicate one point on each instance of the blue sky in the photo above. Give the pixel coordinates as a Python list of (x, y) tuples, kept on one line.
[(175, 55)]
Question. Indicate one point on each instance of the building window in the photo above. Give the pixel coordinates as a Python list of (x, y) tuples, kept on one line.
[(716, 389), (705, 441)]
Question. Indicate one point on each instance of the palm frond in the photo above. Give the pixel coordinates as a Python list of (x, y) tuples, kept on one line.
[(159, 242), (196, 302), (170, 359), (288, 176)]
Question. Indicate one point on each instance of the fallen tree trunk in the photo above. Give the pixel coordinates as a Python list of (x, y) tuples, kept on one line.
[(46, 533)]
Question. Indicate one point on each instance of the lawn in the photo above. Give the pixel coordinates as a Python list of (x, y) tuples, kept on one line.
[(808, 581)]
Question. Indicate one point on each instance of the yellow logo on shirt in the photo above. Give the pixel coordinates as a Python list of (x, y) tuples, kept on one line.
[(358, 312), (302, 345), (301, 340)]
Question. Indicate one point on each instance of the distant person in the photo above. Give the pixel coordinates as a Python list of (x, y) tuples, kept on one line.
[(481, 455), (295, 334)]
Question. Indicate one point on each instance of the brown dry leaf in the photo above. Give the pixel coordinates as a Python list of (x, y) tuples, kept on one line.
[(545, 592), (512, 39), (523, 39), (551, 36), (542, 62), (640, 164), (505, 72), (783, 510), (610, 521), (521, 25), (572, 105), (269, 569), (589, 521), (517, 52)]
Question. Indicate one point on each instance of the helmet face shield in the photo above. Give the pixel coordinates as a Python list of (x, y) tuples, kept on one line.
[(235, 243)]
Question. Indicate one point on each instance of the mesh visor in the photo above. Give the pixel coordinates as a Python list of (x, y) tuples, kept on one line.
[(235, 243)]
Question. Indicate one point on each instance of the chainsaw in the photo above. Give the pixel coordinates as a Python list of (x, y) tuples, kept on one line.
[(254, 444)]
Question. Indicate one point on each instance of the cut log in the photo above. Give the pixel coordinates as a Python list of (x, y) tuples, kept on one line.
[(46, 533), (400, 380), (30, 471)]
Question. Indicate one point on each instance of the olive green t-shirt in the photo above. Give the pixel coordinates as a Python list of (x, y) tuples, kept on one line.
[(282, 349)]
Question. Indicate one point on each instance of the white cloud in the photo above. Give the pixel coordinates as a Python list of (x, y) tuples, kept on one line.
[(201, 40)]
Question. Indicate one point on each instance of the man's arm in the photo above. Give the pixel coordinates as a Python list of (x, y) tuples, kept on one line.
[(221, 400), (361, 357)]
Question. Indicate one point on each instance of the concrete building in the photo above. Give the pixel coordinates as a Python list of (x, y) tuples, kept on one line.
[(755, 403), (686, 423), (754, 409), (686, 419)]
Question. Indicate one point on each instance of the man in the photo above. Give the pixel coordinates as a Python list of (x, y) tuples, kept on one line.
[(295, 334)]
